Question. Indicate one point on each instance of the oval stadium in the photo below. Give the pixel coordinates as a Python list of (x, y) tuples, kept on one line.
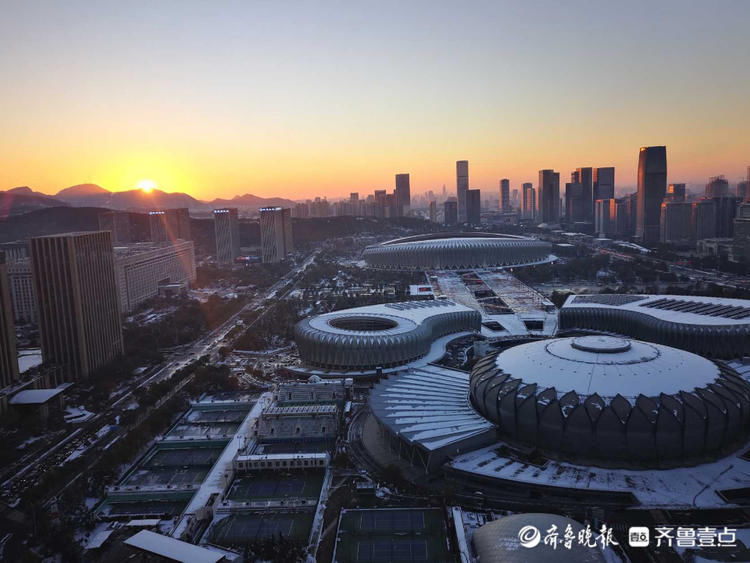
[(456, 251), (379, 336)]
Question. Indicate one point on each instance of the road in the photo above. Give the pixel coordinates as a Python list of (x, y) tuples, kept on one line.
[(20, 477)]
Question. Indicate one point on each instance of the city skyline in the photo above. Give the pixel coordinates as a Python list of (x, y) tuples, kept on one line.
[(254, 99)]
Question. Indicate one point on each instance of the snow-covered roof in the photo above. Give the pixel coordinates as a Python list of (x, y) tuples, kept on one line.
[(428, 406), (681, 486), (607, 366), (402, 317), (682, 309), (35, 396), (172, 548)]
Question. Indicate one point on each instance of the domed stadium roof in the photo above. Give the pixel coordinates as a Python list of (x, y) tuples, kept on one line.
[(520, 539), (447, 251), (612, 400), (365, 338)]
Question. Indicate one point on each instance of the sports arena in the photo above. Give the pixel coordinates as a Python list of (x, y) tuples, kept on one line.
[(458, 251)]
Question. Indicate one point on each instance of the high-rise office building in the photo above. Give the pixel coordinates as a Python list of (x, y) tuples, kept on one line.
[(118, 223), (143, 269), (586, 179), (403, 194), (462, 186), (78, 301), (743, 192), (8, 353), (473, 207), (433, 211), (170, 225), (652, 185), (717, 186), (22, 290), (605, 217), (703, 219), (227, 231), (604, 183), (574, 202), (548, 197), (505, 196), (623, 222), (275, 234), (529, 201), (675, 192), (742, 233), (450, 212), (675, 222), (515, 199), (726, 209)]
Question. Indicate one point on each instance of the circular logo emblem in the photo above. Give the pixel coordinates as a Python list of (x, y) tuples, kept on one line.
[(529, 536)]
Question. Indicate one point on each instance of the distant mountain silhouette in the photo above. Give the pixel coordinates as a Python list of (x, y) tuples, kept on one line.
[(23, 199), (251, 201), (91, 195), (81, 190)]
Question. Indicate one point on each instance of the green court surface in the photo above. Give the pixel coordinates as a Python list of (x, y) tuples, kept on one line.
[(392, 535), (266, 485), (241, 529)]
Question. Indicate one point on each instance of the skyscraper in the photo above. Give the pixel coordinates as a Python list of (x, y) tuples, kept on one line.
[(473, 207), (450, 212), (462, 186), (676, 222), (170, 224), (505, 196), (743, 190), (586, 179), (433, 211), (8, 354), (605, 217), (227, 231), (717, 186), (604, 183), (403, 194), (703, 219), (652, 185), (675, 192), (529, 200), (118, 223), (548, 196), (574, 202), (78, 301), (275, 233)]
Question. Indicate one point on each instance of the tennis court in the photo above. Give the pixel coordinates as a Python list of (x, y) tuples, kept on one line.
[(143, 508), (402, 535), (195, 457), (392, 520), (392, 550), (166, 476), (241, 529), (276, 485)]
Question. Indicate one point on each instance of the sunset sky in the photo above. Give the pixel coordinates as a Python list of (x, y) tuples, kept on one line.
[(298, 99)]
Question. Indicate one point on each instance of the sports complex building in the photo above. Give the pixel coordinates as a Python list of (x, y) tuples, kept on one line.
[(710, 326), (458, 251)]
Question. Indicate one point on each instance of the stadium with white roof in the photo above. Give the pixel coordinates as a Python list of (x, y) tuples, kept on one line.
[(456, 251), (380, 336), (709, 326)]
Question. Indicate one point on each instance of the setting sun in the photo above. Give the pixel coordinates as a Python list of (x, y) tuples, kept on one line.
[(146, 185)]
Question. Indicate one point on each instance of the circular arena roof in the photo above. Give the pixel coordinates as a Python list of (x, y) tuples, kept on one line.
[(366, 338), (612, 400), (449, 251)]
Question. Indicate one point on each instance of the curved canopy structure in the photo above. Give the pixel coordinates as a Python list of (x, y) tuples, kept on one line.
[(455, 251)]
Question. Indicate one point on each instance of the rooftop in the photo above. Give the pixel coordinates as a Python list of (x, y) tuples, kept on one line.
[(173, 549), (684, 309), (428, 406)]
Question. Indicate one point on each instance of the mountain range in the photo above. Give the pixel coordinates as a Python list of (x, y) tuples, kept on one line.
[(23, 199)]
